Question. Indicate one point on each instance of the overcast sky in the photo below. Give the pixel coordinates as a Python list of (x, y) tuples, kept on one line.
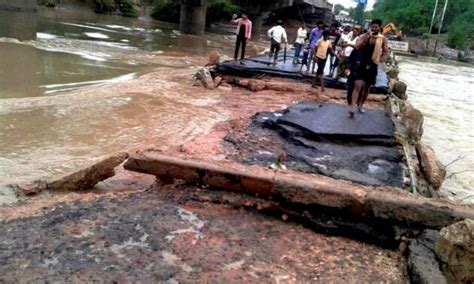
[(350, 3)]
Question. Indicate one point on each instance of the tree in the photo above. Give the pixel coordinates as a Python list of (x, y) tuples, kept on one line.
[(415, 16), (169, 10), (338, 8), (358, 13)]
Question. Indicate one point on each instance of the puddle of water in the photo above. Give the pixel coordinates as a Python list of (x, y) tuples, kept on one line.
[(443, 93)]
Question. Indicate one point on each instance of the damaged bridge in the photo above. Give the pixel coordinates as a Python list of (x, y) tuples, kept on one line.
[(193, 12)]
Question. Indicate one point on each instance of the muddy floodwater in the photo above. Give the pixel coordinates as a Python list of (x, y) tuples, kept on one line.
[(444, 94), (76, 87)]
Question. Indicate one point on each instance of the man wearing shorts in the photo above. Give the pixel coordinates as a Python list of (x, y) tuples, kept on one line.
[(371, 49), (323, 47)]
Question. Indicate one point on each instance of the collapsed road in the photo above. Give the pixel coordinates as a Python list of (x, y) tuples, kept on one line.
[(217, 213), (320, 138)]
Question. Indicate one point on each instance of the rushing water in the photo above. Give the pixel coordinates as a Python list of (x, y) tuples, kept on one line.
[(443, 93), (66, 98)]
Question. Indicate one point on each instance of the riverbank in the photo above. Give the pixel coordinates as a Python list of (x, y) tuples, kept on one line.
[(424, 47)]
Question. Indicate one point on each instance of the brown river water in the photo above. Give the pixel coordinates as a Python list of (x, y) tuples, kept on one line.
[(76, 87)]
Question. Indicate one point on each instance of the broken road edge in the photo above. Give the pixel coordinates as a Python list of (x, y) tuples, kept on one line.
[(304, 189)]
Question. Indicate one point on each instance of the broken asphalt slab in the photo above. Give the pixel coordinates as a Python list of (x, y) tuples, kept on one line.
[(322, 139), (259, 66), (332, 120)]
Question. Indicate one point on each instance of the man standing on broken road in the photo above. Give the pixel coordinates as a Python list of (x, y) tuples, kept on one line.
[(277, 34), (370, 50), (243, 32)]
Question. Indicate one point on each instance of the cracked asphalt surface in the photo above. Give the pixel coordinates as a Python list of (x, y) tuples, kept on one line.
[(181, 234)]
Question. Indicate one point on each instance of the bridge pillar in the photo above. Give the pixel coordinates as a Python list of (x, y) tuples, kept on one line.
[(193, 16), (257, 24)]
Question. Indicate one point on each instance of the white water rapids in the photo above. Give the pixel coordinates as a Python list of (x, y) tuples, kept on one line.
[(443, 93)]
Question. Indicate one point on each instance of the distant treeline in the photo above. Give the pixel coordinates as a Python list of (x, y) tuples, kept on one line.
[(164, 10), (127, 8), (414, 17), (169, 10)]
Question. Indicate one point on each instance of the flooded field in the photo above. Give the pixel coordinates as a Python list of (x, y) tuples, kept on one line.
[(444, 94)]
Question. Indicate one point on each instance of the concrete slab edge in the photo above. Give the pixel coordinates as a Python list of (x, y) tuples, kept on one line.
[(292, 187)]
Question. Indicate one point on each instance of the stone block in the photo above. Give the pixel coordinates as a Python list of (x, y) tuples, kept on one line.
[(88, 177), (455, 247), (256, 85), (434, 171), (422, 264), (29, 189)]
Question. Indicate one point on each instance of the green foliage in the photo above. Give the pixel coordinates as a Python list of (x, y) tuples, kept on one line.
[(338, 8), (221, 9), (358, 13), (103, 6), (414, 17), (461, 30), (126, 7), (169, 10), (457, 38)]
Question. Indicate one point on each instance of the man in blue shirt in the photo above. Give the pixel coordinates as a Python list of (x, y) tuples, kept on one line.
[(314, 36)]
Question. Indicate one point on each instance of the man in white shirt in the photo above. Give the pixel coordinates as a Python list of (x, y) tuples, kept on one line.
[(346, 34), (301, 36), (277, 34)]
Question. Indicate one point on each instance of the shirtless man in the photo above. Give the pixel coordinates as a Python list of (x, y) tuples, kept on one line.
[(371, 49)]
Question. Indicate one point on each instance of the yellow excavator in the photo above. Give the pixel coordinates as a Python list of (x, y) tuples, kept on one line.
[(392, 33)]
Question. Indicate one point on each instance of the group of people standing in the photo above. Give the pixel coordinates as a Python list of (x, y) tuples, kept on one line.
[(352, 53)]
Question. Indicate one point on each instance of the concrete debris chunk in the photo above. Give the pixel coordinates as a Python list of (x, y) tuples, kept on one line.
[(88, 177), (455, 247), (29, 189), (422, 264), (256, 85), (205, 77), (434, 171), (400, 90)]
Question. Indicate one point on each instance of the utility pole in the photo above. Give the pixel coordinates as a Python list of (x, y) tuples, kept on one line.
[(432, 23), (441, 25), (434, 15)]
